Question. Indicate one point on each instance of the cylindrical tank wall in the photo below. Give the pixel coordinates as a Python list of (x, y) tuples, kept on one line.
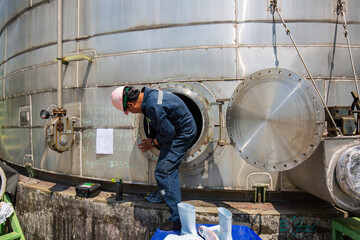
[(209, 45)]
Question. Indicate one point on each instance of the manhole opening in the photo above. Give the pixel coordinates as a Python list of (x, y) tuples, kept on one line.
[(195, 111)]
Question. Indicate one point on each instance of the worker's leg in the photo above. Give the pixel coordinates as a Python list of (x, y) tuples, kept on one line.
[(167, 174), (167, 177)]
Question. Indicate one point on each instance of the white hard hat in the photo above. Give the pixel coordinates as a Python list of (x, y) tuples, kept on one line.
[(117, 99)]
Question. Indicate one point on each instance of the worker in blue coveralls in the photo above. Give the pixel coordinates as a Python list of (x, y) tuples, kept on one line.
[(176, 130)]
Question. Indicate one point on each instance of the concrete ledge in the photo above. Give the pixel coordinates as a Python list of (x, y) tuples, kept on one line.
[(48, 210)]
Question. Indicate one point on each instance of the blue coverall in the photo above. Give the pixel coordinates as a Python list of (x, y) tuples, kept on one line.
[(176, 130)]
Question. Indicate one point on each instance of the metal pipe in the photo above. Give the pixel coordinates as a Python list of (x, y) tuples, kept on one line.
[(220, 102), (221, 122), (59, 53)]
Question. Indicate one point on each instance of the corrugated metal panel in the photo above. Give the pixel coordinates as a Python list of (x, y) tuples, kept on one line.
[(318, 59), (319, 34), (157, 66), (43, 100), (27, 81), (11, 110), (49, 160), (127, 162), (320, 10), (339, 93), (39, 27), (9, 9), (166, 38), (32, 58), (33, 28), (98, 112), (15, 144), (2, 47), (1, 85), (107, 16)]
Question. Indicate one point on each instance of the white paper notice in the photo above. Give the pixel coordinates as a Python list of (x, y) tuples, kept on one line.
[(104, 141)]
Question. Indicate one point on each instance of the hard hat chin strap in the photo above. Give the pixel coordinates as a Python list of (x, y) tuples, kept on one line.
[(125, 97)]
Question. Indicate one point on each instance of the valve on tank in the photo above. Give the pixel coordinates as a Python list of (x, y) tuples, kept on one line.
[(344, 119), (59, 130)]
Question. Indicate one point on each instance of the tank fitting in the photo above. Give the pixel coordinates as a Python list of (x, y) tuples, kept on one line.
[(59, 131)]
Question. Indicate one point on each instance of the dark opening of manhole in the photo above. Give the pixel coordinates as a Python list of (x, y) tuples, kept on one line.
[(195, 111)]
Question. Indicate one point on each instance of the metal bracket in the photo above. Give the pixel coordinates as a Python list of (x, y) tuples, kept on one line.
[(31, 172), (59, 112), (71, 58), (272, 4), (260, 193), (220, 103), (340, 6)]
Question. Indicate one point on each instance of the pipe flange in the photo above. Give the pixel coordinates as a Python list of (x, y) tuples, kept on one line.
[(348, 171), (275, 119)]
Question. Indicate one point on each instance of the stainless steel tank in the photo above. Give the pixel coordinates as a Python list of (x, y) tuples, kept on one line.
[(199, 49)]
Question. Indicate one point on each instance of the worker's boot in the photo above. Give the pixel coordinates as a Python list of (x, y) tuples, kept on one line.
[(225, 222), (187, 215)]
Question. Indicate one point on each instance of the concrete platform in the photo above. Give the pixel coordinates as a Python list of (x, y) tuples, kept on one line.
[(47, 210)]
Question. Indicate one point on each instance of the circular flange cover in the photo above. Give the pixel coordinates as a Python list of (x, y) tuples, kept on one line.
[(275, 119), (348, 171)]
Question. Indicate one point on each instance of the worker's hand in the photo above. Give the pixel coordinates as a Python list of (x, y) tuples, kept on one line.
[(145, 144)]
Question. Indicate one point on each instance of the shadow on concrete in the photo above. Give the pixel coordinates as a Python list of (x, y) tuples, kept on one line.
[(59, 188)]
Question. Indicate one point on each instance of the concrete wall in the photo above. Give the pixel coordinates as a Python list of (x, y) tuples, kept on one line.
[(52, 211)]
